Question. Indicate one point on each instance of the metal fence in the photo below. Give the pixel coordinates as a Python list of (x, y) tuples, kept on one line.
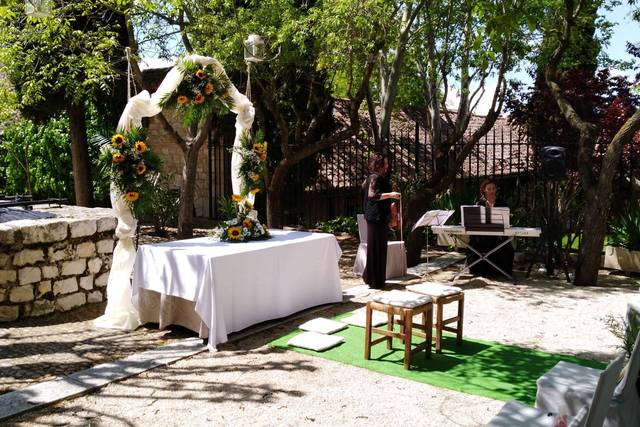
[(328, 185)]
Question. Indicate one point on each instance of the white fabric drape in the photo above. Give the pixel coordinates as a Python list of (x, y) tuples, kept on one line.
[(120, 312)]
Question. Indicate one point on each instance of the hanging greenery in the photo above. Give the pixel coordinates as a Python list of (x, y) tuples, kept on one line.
[(203, 90), (253, 155), (131, 163)]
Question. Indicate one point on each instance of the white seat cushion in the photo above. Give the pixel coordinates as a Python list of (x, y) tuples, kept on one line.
[(358, 318), (434, 289), (315, 341), (401, 299), (322, 325)]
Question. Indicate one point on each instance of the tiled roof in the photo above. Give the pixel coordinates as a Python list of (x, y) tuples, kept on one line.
[(503, 151)]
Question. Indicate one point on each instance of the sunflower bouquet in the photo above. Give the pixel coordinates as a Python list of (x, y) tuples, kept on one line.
[(244, 227), (204, 89), (131, 162), (253, 155)]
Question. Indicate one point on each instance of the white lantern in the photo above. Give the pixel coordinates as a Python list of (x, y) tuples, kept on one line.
[(254, 48), (37, 8)]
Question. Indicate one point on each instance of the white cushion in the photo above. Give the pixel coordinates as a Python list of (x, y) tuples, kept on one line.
[(515, 414), (315, 341), (359, 318), (322, 325), (401, 299), (434, 289)]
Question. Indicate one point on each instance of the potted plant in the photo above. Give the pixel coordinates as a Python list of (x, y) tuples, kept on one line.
[(623, 252)]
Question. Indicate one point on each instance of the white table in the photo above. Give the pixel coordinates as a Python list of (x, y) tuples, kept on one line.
[(216, 288), (511, 233)]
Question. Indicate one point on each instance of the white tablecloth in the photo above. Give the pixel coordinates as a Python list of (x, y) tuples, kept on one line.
[(236, 285)]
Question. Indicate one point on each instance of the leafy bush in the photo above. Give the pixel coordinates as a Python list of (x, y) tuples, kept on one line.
[(162, 204), (625, 231), (625, 331), (341, 224), (36, 159)]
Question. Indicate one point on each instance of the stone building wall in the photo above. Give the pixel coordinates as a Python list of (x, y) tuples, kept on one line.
[(55, 264), (173, 160)]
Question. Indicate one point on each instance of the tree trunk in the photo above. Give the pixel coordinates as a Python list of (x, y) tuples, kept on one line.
[(596, 213), (80, 156), (274, 208), (597, 205), (187, 191), (274, 192)]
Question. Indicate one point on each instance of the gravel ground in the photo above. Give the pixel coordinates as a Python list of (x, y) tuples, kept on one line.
[(248, 383)]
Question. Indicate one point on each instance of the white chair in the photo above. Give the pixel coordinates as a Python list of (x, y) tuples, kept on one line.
[(567, 387), (515, 414), (396, 255)]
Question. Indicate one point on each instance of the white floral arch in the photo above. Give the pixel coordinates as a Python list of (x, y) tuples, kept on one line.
[(120, 312)]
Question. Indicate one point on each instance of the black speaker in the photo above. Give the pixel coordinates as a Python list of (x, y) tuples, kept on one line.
[(553, 161)]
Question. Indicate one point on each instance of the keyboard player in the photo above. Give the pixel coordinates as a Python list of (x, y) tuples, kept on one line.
[(503, 258)]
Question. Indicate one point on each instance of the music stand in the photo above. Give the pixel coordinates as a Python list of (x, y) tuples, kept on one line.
[(430, 218)]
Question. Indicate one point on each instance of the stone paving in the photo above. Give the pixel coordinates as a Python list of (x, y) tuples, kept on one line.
[(39, 349)]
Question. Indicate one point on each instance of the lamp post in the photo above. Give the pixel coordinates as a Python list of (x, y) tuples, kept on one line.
[(253, 54), (37, 8), (254, 49)]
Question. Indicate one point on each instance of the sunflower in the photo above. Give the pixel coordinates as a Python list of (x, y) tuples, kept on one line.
[(140, 146), (117, 157), (247, 223), (236, 198), (199, 99), (248, 205), (257, 147), (182, 100), (209, 88), (117, 140), (131, 196), (255, 190), (255, 177), (201, 74), (234, 233), (141, 168), (263, 157)]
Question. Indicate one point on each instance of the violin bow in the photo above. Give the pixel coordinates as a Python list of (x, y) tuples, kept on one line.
[(400, 200)]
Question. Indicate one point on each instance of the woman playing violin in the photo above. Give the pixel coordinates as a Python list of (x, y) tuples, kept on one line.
[(377, 200)]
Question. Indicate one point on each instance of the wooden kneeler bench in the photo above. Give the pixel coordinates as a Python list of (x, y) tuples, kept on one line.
[(406, 305), (442, 295)]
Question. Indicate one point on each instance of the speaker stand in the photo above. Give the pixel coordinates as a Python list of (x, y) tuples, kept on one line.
[(549, 248)]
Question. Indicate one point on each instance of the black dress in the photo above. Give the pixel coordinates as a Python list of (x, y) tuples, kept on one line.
[(377, 213), (503, 258)]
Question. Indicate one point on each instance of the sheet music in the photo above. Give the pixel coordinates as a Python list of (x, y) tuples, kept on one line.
[(434, 217)]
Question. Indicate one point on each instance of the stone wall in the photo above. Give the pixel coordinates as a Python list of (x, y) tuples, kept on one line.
[(173, 160), (55, 264)]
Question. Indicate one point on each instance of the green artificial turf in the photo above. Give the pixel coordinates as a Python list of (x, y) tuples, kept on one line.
[(493, 370)]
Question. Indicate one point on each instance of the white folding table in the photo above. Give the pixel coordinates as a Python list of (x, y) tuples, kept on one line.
[(510, 233)]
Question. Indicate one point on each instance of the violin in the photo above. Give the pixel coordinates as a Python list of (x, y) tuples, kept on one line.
[(394, 221)]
